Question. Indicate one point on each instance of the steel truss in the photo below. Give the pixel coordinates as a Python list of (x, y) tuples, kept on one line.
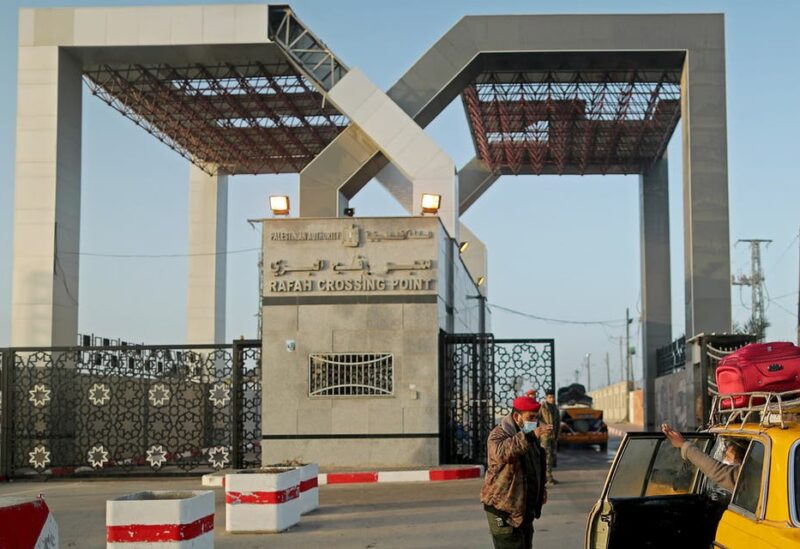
[(236, 118), (573, 121)]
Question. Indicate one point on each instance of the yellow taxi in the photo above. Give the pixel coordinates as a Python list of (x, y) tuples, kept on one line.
[(653, 498)]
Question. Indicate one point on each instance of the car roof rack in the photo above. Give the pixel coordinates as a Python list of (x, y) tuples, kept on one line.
[(765, 408)]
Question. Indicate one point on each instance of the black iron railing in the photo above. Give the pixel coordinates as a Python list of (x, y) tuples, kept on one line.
[(671, 358), (104, 410)]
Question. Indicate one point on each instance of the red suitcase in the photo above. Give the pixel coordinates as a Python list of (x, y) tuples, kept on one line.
[(759, 367)]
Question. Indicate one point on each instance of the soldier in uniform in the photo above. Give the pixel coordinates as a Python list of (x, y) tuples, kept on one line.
[(550, 415), (514, 488)]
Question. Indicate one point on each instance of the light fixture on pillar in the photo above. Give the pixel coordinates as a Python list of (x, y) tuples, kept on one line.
[(279, 205), (431, 203), (463, 247)]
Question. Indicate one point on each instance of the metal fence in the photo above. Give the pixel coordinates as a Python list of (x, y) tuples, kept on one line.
[(672, 357), (479, 378), (106, 410), (522, 364)]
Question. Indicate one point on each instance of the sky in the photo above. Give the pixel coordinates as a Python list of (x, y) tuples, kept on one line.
[(561, 247)]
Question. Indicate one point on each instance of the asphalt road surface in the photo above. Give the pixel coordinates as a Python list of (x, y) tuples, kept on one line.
[(446, 514)]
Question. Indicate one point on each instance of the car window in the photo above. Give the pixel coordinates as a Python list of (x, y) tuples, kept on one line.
[(748, 489), (632, 468), (671, 475), (718, 452), (796, 486)]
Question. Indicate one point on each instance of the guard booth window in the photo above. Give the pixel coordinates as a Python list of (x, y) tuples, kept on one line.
[(748, 489)]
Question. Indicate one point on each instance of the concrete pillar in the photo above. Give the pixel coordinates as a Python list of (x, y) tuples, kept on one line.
[(705, 204), (208, 229), (705, 190), (655, 262), (47, 198)]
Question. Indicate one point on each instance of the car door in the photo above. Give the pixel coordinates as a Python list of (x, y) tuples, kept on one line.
[(650, 498)]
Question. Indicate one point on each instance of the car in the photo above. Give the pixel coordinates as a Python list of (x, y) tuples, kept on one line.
[(652, 498), (583, 425)]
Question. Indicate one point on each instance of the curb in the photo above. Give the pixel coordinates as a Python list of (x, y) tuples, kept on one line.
[(616, 432), (438, 474), (423, 475)]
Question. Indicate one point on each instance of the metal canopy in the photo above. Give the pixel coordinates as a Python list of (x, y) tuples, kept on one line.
[(573, 120), (239, 117)]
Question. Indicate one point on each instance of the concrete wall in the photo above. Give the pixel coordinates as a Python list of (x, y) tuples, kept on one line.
[(396, 430), (636, 407), (614, 401), (672, 399)]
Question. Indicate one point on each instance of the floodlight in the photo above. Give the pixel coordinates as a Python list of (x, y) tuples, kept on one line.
[(279, 205), (481, 280), (463, 247), (431, 203)]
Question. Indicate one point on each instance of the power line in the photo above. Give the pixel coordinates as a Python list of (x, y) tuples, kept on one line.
[(610, 323), (783, 254)]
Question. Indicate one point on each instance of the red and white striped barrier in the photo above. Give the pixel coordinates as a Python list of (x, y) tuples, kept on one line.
[(166, 520), (423, 475), (309, 487), (27, 523), (614, 432), (262, 501)]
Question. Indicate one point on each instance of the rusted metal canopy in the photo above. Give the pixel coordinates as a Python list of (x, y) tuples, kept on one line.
[(573, 121), (238, 117)]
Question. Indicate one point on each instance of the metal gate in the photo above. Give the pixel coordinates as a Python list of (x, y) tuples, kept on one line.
[(466, 396), (106, 410), (522, 365), (479, 377)]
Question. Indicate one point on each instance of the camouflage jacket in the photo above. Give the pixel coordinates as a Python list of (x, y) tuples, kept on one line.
[(550, 415), (506, 484)]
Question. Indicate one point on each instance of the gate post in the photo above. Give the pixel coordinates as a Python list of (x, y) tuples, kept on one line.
[(237, 365), (6, 413)]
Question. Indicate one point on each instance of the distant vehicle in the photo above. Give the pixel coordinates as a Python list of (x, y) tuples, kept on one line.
[(653, 498), (582, 424)]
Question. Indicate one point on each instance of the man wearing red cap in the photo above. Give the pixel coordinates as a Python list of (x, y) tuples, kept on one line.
[(514, 488)]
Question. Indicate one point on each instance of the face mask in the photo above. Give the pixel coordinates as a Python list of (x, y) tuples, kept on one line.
[(529, 426)]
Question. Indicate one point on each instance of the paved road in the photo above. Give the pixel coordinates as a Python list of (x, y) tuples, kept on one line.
[(379, 516)]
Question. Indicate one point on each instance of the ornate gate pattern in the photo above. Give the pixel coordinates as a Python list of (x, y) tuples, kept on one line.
[(522, 365), (479, 377), (466, 397), (131, 409)]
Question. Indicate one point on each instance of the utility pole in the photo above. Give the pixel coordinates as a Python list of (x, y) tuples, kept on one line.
[(608, 370), (758, 322), (588, 371), (577, 375), (628, 366), (260, 289)]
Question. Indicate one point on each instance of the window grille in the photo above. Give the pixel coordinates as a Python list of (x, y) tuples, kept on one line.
[(350, 374)]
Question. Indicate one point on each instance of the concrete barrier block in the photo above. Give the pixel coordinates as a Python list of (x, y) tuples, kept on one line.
[(163, 519), (262, 500), (27, 522)]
